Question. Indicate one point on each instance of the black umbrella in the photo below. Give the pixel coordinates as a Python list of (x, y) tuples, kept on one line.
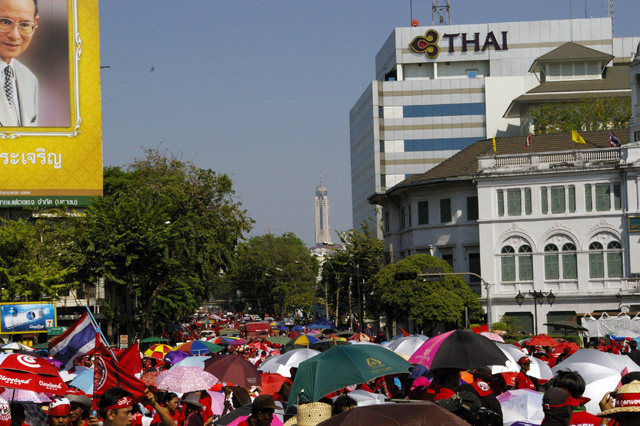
[(566, 325), (323, 345), (412, 414)]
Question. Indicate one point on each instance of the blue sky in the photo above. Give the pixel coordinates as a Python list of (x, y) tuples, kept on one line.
[(261, 90)]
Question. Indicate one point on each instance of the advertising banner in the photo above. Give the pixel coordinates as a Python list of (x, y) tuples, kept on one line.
[(27, 317), (50, 115)]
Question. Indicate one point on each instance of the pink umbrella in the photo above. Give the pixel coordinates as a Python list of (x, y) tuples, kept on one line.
[(185, 379), (492, 336), (217, 402), (25, 395)]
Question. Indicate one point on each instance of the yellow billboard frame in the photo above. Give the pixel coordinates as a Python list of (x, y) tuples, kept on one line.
[(52, 166)]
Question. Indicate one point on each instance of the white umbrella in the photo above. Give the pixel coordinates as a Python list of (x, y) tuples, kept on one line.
[(601, 372), (17, 346), (366, 398), (270, 365), (192, 361), (292, 359), (625, 334), (523, 405), (539, 369), (405, 345)]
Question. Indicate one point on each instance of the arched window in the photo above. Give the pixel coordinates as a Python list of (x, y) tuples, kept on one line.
[(551, 262), (569, 262), (614, 260), (520, 262), (596, 260), (508, 263), (525, 262)]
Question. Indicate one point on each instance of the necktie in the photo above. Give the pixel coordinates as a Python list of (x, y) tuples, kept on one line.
[(8, 90)]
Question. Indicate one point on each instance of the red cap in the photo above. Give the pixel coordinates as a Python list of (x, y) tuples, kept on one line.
[(524, 360), (60, 407)]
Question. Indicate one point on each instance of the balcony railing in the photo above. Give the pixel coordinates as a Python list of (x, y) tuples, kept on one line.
[(548, 160)]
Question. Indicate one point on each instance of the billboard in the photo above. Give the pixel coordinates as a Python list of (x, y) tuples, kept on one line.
[(27, 317), (50, 112)]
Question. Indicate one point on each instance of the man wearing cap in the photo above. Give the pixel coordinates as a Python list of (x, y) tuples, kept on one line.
[(59, 411), (557, 405), (80, 409), (626, 411), (523, 381), (261, 412)]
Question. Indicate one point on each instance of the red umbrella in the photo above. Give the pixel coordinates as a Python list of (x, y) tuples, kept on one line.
[(260, 346), (26, 372), (542, 340), (360, 337), (271, 383), (573, 348), (233, 369)]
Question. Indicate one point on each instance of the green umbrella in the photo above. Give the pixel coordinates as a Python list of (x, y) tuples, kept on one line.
[(212, 346), (343, 366), (280, 340), (153, 340)]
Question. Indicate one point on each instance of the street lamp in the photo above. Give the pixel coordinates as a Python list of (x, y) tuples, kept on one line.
[(539, 297), (360, 318)]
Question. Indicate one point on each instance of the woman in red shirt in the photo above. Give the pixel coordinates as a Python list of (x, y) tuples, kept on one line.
[(170, 403)]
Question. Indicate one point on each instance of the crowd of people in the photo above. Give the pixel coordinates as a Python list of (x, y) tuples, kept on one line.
[(471, 395)]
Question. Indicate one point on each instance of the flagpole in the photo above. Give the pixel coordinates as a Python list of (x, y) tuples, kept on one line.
[(95, 323)]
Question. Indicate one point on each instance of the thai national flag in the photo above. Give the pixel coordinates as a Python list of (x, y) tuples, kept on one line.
[(613, 139), (79, 339), (527, 143)]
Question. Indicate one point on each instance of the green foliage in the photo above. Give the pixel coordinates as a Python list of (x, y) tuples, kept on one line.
[(499, 326), (273, 274), (161, 233), (30, 266), (589, 114), (362, 257), (424, 303)]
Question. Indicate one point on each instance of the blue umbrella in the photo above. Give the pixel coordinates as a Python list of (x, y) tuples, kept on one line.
[(298, 328), (194, 361), (84, 381), (322, 323)]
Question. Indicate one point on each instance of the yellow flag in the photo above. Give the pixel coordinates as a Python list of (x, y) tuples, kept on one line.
[(494, 146), (576, 137)]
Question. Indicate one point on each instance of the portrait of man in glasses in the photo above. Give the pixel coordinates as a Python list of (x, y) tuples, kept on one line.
[(19, 96)]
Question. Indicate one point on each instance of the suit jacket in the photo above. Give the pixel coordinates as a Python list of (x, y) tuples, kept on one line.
[(27, 85)]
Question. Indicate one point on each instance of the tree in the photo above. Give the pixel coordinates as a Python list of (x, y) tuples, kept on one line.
[(274, 274), (361, 258), (589, 114), (424, 303), (30, 266), (159, 237)]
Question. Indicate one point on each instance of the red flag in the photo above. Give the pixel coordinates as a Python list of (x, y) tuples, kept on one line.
[(484, 328), (109, 374), (130, 360), (476, 330), (404, 332)]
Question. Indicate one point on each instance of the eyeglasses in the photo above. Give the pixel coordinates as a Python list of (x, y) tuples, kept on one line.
[(25, 28)]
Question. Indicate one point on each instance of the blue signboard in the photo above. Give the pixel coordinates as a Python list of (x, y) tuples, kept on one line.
[(27, 317)]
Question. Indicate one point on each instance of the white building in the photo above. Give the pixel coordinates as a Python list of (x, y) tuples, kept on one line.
[(438, 90), (634, 123), (558, 217), (323, 232)]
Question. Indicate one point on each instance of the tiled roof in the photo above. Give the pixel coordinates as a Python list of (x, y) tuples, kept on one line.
[(464, 164)]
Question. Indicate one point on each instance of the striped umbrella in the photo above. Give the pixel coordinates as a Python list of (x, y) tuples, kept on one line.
[(199, 347)]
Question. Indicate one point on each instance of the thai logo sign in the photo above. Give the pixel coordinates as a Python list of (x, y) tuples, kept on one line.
[(27, 317), (428, 43), (50, 111)]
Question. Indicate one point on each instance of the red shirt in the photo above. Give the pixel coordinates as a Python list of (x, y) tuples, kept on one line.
[(177, 417), (524, 382), (582, 418)]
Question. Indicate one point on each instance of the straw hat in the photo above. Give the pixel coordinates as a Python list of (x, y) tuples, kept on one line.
[(310, 414), (627, 400)]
